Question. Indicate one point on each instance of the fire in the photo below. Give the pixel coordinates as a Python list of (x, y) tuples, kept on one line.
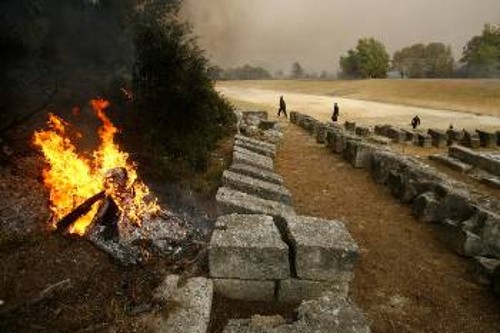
[(72, 178)]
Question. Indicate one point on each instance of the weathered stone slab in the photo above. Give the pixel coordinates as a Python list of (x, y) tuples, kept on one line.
[(247, 290), (358, 153), (257, 114), (461, 241), (397, 135), (321, 133), (471, 140), (350, 126), (256, 142), (193, 303), (254, 160), (327, 314), (380, 140), (230, 201), (490, 235), (266, 125), (482, 161), (424, 140), (425, 207), (323, 249), (247, 247), (293, 117), (363, 131), (439, 138), (258, 149), (451, 162), (487, 139), (296, 290), (260, 188), (258, 173)]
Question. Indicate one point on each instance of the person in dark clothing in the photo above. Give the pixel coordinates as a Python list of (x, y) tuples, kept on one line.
[(282, 107), (415, 122), (336, 112)]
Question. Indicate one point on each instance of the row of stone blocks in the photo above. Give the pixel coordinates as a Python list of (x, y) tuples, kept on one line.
[(469, 224)]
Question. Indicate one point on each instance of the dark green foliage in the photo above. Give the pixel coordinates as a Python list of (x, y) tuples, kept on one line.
[(433, 60), (178, 116), (368, 60), (297, 71), (245, 72), (481, 55)]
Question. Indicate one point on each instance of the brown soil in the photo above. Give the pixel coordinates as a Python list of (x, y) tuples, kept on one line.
[(406, 279)]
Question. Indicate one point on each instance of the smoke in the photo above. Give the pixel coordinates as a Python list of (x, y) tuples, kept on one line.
[(275, 33)]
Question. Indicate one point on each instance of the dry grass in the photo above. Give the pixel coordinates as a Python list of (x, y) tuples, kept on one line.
[(475, 96)]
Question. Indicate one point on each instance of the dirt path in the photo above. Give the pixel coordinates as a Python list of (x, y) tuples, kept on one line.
[(364, 112), (406, 280)]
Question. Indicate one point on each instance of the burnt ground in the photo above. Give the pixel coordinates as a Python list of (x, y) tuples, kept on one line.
[(53, 283), (406, 280)]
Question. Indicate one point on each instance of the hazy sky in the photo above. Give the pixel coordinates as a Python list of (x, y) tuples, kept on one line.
[(275, 33)]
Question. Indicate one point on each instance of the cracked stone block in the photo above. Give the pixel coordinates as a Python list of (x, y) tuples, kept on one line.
[(425, 140), (260, 188), (256, 142), (258, 173), (296, 290), (323, 249), (321, 133), (247, 247), (362, 131), (243, 157), (231, 201), (461, 241), (258, 149), (193, 304), (247, 290), (451, 163), (425, 207), (490, 234)]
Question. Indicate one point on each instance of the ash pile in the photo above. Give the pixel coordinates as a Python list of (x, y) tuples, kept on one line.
[(132, 242)]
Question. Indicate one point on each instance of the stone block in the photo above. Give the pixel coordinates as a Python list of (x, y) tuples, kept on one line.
[(425, 207), (262, 115), (321, 133), (193, 304), (296, 290), (350, 126), (230, 201), (323, 249), (482, 161), (487, 139), (451, 162), (247, 247), (257, 187), (362, 131), (490, 234), (266, 125), (247, 290), (256, 142), (293, 117), (397, 135), (379, 140), (258, 149), (471, 140), (463, 242), (439, 138), (258, 173), (424, 140), (253, 159), (358, 153)]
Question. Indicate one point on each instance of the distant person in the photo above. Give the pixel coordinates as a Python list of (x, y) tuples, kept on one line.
[(336, 112), (415, 122), (282, 107)]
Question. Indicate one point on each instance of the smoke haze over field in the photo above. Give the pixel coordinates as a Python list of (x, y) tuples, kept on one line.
[(275, 33)]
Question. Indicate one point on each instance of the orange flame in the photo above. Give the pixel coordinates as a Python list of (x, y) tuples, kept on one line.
[(72, 178)]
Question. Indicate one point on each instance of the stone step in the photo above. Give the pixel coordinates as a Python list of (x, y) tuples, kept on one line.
[(258, 173), (241, 156), (451, 162), (255, 148), (260, 188), (247, 247), (231, 201), (255, 142)]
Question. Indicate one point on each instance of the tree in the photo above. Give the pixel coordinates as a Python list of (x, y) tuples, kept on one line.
[(297, 71), (246, 72), (420, 60), (481, 55), (369, 60)]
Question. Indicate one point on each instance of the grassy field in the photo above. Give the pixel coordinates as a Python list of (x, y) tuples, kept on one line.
[(475, 96)]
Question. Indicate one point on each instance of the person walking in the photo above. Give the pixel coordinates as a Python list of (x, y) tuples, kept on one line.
[(282, 107), (336, 112), (415, 122)]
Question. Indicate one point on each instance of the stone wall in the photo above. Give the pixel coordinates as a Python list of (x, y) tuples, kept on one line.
[(261, 250), (468, 223)]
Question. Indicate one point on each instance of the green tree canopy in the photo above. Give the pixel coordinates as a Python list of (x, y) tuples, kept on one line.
[(297, 71), (420, 60), (369, 60), (481, 55)]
